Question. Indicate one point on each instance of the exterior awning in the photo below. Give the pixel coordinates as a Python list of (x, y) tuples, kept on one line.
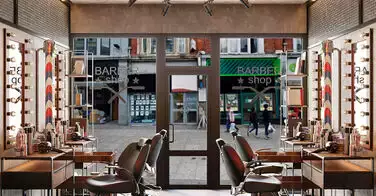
[(269, 66)]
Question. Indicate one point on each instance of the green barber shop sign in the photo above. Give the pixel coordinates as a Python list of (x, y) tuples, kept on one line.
[(249, 66)]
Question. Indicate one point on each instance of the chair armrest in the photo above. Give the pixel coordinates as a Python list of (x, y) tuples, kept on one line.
[(262, 149)]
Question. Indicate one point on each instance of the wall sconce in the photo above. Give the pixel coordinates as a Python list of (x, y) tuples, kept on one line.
[(28, 112), (13, 86), (364, 35), (11, 72), (11, 46), (10, 34), (364, 113), (11, 59), (363, 59), (364, 127), (13, 100), (364, 47), (349, 112), (13, 128), (348, 41), (28, 99), (11, 113)]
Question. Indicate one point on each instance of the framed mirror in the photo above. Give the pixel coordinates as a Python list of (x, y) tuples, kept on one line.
[(363, 88)]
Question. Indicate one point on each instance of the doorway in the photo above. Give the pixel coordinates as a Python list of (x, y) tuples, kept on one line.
[(190, 157)]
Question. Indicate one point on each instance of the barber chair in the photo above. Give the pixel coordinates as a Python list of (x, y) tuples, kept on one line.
[(251, 183), (129, 169), (155, 149), (248, 157)]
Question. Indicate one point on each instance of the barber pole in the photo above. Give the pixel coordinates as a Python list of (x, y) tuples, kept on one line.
[(48, 48), (327, 47)]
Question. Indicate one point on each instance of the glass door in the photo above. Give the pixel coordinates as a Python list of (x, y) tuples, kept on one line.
[(188, 121), (248, 104)]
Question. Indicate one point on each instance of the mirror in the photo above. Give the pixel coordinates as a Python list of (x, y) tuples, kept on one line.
[(363, 87), (13, 91)]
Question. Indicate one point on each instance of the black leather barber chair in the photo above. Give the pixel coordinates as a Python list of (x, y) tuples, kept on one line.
[(248, 157), (129, 170), (155, 149), (251, 183)]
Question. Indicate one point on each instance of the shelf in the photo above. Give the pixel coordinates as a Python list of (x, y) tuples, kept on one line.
[(294, 106), (79, 106), (294, 75), (79, 76)]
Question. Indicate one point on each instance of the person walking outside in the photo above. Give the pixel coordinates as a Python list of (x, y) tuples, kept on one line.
[(230, 118), (266, 119), (253, 120)]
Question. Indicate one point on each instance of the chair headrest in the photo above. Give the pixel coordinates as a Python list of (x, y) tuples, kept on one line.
[(142, 142), (220, 142), (234, 134), (163, 132)]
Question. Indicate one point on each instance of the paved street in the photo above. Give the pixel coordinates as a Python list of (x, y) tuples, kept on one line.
[(183, 170)]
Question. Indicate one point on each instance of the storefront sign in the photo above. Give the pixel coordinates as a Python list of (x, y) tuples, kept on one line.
[(257, 70), (106, 70), (256, 82)]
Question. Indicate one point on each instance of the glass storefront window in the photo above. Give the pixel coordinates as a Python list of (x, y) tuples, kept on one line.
[(144, 45), (91, 45), (153, 48), (269, 101), (142, 107), (169, 45), (244, 45), (232, 101), (105, 46)]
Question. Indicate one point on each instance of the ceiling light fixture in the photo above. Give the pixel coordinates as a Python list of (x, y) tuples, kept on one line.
[(245, 3), (167, 6), (207, 6), (131, 2)]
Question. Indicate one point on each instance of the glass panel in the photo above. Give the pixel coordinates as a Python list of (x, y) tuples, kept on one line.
[(79, 44), (170, 45), (196, 54), (105, 46), (91, 45), (153, 46), (233, 45), (188, 170), (223, 43), (254, 46), (188, 111), (244, 45), (144, 45)]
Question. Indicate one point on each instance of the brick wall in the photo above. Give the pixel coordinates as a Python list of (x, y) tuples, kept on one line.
[(133, 46), (369, 10), (273, 44), (327, 18), (47, 18), (6, 10)]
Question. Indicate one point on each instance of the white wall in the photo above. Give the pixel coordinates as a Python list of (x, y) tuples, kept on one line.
[(340, 44)]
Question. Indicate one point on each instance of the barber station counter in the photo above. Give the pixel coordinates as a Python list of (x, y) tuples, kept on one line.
[(336, 170)]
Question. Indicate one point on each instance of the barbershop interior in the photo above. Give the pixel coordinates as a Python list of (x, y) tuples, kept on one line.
[(111, 97)]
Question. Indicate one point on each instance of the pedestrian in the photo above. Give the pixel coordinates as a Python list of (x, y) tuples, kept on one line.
[(253, 120), (230, 118), (266, 119)]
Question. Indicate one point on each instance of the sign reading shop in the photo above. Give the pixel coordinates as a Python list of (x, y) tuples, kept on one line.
[(105, 70)]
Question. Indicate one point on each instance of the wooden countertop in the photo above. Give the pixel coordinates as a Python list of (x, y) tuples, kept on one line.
[(298, 142), (336, 166), (36, 166), (36, 155), (79, 142), (332, 156)]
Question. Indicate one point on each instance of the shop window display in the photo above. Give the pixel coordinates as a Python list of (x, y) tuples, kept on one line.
[(142, 107)]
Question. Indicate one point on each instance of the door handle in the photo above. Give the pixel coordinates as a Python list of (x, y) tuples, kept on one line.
[(173, 133)]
